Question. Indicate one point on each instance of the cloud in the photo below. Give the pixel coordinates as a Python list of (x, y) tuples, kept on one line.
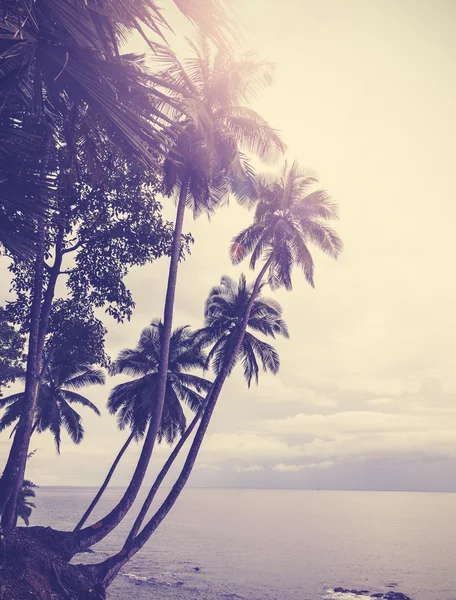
[(326, 464), (248, 468), (274, 389), (420, 419), (380, 401)]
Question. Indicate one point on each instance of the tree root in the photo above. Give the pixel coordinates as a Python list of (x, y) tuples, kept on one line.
[(30, 568)]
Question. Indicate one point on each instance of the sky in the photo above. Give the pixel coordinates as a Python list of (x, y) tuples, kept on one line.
[(364, 94)]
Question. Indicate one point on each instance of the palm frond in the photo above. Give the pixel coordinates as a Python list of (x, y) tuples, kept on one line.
[(74, 398), (89, 377)]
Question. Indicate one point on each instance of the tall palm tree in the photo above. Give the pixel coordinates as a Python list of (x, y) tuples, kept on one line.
[(57, 394), (288, 216), (133, 401), (206, 163), (223, 314)]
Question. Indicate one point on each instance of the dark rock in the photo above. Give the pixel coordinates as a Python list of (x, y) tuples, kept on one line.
[(391, 596), (196, 569)]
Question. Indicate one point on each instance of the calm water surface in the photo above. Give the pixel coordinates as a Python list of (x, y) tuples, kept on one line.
[(278, 544)]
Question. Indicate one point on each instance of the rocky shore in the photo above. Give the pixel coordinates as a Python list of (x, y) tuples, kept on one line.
[(390, 595)]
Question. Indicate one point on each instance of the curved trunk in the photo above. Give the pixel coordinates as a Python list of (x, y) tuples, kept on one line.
[(13, 474), (164, 471), (100, 492), (107, 570), (91, 535)]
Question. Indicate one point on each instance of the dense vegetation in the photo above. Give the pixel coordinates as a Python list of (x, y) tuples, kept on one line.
[(90, 139)]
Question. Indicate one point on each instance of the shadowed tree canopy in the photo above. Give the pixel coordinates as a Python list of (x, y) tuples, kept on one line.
[(110, 222), (290, 214), (133, 401), (25, 183), (11, 352), (57, 393), (223, 314), (64, 59), (218, 130)]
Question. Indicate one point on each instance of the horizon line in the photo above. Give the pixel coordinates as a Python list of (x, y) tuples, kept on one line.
[(283, 489)]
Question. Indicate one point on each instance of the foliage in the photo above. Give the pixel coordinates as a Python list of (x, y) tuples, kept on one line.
[(61, 60), (289, 214), (25, 505), (224, 312), (217, 128), (62, 54), (133, 401), (74, 326), (61, 377), (11, 352), (24, 183), (100, 231)]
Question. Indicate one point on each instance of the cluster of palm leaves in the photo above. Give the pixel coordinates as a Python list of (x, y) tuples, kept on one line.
[(57, 394)]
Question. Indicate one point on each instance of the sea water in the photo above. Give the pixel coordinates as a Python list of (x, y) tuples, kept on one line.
[(235, 544)]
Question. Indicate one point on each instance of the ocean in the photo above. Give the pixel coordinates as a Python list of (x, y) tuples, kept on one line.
[(242, 544)]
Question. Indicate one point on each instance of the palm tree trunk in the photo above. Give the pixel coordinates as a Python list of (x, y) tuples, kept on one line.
[(91, 535), (105, 482), (13, 474), (107, 570), (164, 471), (50, 289), (36, 346)]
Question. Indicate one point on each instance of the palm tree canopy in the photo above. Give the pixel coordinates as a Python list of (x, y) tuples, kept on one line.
[(133, 401), (55, 53), (224, 312), (61, 59), (57, 393), (290, 214), (217, 128)]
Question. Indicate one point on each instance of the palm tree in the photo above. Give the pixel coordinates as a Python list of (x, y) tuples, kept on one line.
[(133, 401), (55, 399), (206, 163), (288, 216), (25, 506), (223, 313)]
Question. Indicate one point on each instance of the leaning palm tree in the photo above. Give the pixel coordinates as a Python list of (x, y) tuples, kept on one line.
[(289, 215), (133, 401), (206, 163), (223, 314), (56, 396)]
